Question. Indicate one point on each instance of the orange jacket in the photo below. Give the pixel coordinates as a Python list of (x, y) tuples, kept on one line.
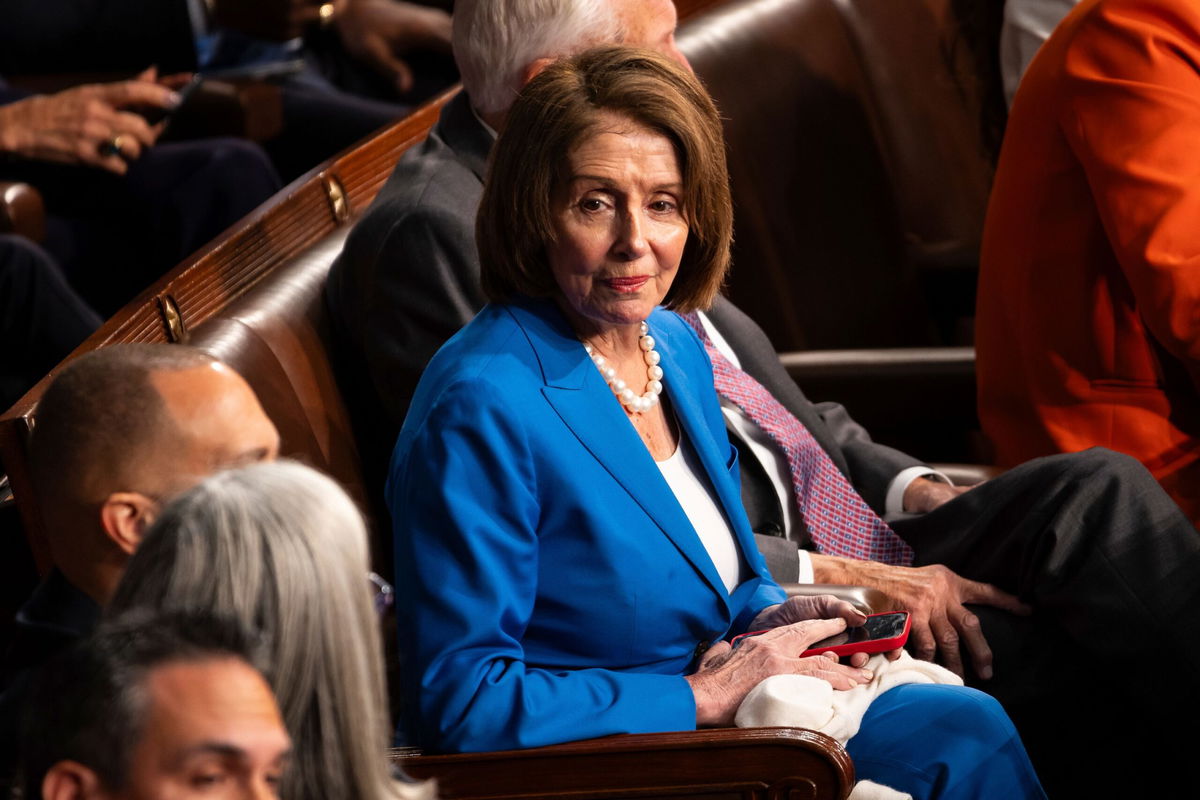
[(1088, 315)]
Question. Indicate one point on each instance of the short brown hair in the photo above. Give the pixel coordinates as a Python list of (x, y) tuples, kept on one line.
[(554, 112)]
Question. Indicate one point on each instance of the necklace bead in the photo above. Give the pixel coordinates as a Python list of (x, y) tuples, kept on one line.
[(633, 402)]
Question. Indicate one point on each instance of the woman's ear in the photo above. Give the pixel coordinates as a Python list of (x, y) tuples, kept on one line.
[(125, 517), (70, 780)]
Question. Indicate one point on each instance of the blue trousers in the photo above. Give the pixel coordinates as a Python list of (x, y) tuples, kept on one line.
[(944, 742)]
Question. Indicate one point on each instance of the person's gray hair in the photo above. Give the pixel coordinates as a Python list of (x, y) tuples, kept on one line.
[(495, 40), (281, 547)]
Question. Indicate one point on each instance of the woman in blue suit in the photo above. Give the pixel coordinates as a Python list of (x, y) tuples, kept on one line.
[(571, 552)]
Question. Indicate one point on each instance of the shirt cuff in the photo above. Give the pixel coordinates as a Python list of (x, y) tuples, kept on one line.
[(893, 503), (806, 574)]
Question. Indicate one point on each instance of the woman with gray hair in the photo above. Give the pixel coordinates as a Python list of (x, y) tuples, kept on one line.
[(281, 547)]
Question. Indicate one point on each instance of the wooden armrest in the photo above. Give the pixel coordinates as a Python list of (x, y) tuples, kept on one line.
[(952, 363), (866, 599), (22, 211), (918, 400), (716, 763)]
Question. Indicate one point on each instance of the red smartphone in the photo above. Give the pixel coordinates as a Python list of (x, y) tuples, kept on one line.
[(879, 634)]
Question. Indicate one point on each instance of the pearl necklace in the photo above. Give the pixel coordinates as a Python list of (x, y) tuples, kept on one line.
[(634, 403)]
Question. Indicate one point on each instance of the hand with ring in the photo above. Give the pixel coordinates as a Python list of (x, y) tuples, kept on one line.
[(89, 125), (112, 147)]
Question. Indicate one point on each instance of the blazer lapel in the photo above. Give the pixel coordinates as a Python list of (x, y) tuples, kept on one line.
[(581, 398), (685, 396)]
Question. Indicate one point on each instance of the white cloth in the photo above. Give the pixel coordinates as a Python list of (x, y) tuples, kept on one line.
[(801, 701), (869, 790)]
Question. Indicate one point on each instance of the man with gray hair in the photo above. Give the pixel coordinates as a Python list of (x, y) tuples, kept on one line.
[(408, 277)]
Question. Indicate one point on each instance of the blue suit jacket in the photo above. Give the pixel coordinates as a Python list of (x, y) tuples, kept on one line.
[(551, 587)]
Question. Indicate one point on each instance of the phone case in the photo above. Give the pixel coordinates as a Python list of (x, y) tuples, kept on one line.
[(868, 646)]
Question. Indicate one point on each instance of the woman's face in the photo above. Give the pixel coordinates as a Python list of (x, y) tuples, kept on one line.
[(619, 225)]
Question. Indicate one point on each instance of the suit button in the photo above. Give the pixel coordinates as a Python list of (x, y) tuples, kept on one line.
[(701, 649)]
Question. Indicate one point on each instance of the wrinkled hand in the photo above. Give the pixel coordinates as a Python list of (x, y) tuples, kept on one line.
[(935, 598), (278, 20), (378, 32), (924, 495), (799, 609), (725, 675), (73, 126)]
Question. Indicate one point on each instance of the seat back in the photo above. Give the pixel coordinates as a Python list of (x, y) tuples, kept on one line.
[(855, 165), (253, 299)]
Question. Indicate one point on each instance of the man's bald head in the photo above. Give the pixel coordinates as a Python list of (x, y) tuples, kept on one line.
[(125, 427)]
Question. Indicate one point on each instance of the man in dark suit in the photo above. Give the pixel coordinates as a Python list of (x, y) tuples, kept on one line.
[(1089, 541)]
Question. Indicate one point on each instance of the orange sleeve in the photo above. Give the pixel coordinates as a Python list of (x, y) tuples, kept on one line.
[(1133, 121)]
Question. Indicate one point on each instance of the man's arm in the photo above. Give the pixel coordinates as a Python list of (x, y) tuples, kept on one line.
[(1132, 120), (425, 287)]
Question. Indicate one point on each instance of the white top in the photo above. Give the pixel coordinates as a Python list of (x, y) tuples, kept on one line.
[(685, 475)]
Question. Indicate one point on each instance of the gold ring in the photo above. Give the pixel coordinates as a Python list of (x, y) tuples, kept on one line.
[(113, 146)]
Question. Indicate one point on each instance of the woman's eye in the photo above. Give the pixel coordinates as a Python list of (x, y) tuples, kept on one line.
[(591, 204), (662, 206)]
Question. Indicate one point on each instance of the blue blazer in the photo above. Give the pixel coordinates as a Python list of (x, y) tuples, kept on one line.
[(550, 586)]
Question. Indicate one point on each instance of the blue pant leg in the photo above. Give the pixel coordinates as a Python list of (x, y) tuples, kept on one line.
[(944, 742)]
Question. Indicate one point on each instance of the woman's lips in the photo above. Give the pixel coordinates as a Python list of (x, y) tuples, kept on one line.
[(631, 284)]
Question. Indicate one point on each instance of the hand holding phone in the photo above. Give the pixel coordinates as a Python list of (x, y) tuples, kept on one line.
[(879, 634)]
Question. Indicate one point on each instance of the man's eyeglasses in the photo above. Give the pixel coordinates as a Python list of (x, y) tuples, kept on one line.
[(382, 593)]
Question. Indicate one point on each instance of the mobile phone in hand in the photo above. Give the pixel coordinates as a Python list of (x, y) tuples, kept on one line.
[(879, 634)]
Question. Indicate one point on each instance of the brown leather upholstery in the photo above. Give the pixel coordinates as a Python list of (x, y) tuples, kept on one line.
[(855, 165), (22, 211)]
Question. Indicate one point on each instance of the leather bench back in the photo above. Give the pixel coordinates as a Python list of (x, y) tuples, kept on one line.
[(855, 162)]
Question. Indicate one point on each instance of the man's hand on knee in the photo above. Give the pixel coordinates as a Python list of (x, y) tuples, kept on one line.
[(936, 597)]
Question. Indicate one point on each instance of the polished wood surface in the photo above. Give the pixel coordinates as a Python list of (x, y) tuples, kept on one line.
[(724, 763)]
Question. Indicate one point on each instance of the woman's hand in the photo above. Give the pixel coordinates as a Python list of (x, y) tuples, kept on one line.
[(726, 675), (86, 125), (798, 609)]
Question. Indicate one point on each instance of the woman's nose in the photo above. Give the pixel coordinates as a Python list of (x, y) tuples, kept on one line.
[(631, 239)]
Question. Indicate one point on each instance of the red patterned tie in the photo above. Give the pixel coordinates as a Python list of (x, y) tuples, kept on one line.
[(838, 519)]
